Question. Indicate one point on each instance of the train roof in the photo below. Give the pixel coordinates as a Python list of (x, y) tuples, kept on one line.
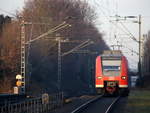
[(112, 53)]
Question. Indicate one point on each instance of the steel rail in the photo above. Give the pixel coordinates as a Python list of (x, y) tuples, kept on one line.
[(83, 106), (112, 105)]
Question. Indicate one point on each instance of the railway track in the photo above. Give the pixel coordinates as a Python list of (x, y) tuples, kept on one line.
[(99, 104), (112, 105)]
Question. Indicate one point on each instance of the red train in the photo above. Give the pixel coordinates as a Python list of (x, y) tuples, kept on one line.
[(112, 73)]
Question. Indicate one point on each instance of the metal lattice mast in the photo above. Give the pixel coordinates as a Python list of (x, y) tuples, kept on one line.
[(23, 70), (59, 63), (23, 50)]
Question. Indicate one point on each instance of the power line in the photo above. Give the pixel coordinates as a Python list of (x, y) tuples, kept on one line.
[(8, 12), (82, 45), (107, 17), (59, 27), (23, 47), (133, 51), (132, 36), (115, 24)]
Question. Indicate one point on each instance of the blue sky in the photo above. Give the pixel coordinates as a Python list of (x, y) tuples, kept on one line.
[(106, 8)]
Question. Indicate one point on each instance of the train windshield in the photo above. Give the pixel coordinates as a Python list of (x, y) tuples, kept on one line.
[(111, 67)]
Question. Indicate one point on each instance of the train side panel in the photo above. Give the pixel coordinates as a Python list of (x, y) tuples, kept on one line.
[(98, 80), (123, 82)]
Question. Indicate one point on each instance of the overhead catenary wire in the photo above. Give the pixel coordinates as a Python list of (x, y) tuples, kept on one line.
[(59, 27), (98, 5), (120, 26), (29, 47), (23, 45), (77, 47), (107, 17), (132, 36), (133, 51), (13, 15)]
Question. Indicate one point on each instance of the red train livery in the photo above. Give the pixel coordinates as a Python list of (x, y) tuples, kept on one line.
[(111, 75)]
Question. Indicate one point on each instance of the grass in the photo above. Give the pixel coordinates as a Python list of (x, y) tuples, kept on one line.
[(138, 102)]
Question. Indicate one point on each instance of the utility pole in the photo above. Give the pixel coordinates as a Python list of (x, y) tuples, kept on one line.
[(140, 67), (24, 43), (60, 55), (139, 41), (59, 63), (23, 57)]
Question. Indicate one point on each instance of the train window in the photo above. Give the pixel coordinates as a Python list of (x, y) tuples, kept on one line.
[(111, 67)]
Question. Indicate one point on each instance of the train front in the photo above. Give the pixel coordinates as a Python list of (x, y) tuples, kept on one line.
[(112, 73)]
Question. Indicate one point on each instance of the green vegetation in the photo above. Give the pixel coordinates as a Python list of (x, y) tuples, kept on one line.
[(138, 102)]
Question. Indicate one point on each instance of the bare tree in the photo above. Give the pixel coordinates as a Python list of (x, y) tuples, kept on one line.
[(10, 55), (42, 66)]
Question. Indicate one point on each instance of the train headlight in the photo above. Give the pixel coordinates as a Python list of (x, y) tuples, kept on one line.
[(99, 77), (123, 77)]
